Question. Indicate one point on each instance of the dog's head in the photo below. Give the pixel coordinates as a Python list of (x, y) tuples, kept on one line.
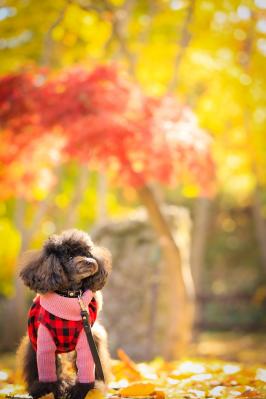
[(69, 261)]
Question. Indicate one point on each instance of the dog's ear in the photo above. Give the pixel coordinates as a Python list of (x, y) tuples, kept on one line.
[(42, 273), (104, 259)]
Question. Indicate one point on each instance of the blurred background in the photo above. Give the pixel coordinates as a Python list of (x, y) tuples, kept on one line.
[(142, 123)]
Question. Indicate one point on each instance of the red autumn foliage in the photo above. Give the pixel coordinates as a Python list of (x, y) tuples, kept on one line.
[(106, 120)]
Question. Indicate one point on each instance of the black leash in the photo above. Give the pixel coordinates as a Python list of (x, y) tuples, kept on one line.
[(86, 324)]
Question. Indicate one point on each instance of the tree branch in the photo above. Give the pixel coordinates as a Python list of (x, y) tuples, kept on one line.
[(120, 19), (184, 41), (48, 41)]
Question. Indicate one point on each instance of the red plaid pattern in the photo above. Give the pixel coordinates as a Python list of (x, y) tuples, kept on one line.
[(65, 333)]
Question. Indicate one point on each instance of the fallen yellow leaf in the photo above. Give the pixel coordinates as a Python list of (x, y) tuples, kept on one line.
[(48, 396), (249, 394), (94, 394), (137, 389), (128, 363), (159, 394), (177, 375)]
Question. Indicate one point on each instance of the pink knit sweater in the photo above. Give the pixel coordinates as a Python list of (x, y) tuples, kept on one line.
[(69, 309)]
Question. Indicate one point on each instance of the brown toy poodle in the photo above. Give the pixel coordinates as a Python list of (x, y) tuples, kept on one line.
[(68, 266)]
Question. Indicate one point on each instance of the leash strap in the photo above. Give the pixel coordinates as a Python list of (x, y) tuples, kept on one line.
[(86, 324)]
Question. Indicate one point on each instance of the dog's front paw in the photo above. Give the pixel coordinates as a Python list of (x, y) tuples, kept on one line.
[(39, 389), (79, 390)]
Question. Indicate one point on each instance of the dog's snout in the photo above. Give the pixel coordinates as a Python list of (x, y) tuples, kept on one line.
[(86, 266), (90, 261), (92, 264)]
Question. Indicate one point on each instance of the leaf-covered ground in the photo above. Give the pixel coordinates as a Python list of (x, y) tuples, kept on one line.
[(189, 378)]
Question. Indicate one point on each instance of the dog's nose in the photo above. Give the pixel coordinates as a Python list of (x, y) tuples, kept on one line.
[(91, 261)]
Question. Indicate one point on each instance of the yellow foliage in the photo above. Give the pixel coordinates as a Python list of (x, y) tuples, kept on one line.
[(129, 367), (186, 378), (94, 394), (137, 389), (48, 396), (159, 394)]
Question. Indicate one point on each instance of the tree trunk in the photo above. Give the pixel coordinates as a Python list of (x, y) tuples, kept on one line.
[(260, 227), (199, 240), (101, 198), (179, 281), (198, 248)]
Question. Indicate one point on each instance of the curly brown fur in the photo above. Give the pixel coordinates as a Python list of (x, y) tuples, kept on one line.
[(39, 389), (79, 391), (100, 338), (27, 362), (67, 261)]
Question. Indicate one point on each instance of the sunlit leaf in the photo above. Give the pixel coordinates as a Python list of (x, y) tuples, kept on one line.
[(94, 394), (137, 389)]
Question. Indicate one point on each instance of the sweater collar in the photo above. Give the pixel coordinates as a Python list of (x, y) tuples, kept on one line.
[(67, 308)]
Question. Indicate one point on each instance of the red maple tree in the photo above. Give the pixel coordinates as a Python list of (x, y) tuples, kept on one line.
[(106, 120)]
